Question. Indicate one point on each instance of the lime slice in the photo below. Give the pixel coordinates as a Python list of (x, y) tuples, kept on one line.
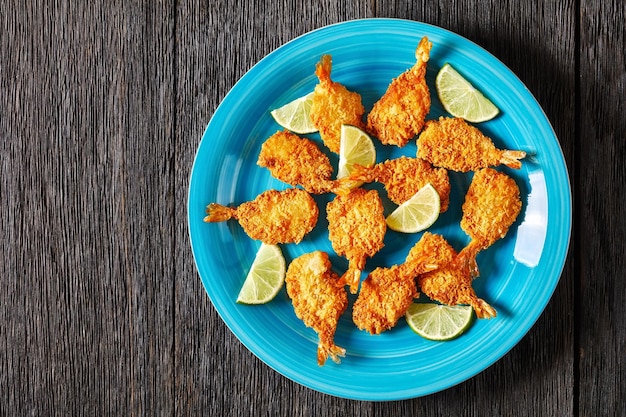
[(417, 213), (265, 278), (356, 147), (296, 115), (459, 97), (439, 322)]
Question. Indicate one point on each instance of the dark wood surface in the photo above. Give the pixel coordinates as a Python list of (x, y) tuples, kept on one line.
[(102, 106)]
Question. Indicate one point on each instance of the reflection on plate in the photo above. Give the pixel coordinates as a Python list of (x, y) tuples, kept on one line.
[(518, 274)]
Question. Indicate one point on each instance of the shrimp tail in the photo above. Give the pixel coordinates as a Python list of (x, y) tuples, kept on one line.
[(422, 53), (482, 309), (323, 68), (218, 213), (359, 175), (467, 258), (352, 277), (512, 158), (324, 350)]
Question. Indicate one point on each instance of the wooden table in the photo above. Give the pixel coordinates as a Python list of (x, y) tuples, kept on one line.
[(102, 106)]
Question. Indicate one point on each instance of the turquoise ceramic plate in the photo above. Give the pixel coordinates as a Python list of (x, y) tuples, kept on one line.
[(518, 273)]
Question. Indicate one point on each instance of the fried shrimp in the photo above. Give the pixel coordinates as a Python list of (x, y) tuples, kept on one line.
[(432, 251), (491, 206), (273, 217), (384, 297), (297, 161), (399, 114), (356, 229), (451, 283), (318, 300), (334, 105), (454, 144), (387, 293), (403, 177)]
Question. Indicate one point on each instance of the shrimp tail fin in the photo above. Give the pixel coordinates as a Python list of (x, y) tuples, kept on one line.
[(467, 258), (323, 68), (422, 53), (512, 158), (324, 350), (483, 310), (359, 175), (218, 213), (352, 278)]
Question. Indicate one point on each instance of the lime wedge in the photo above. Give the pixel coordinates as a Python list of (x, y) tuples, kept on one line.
[(417, 213), (265, 278), (356, 147), (296, 115), (439, 322), (459, 97)]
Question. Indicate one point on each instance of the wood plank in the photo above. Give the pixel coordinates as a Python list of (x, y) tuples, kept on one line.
[(601, 185), (86, 179)]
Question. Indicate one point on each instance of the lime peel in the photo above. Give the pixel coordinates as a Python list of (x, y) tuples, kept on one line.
[(439, 322), (265, 278), (461, 99), (296, 115), (418, 213), (356, 147)]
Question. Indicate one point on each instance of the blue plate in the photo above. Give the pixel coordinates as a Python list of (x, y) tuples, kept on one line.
[(518, 274)]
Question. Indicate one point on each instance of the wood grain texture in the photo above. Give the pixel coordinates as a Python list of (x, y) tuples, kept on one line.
[(601, 183), (102, 106), (88, 204)]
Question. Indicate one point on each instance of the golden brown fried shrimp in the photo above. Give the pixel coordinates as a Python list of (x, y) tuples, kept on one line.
[(432, 251), (451, 282), (297, 161), (334, 105), (453, 144), (452, 285), (403, 177), (385, 296), (356, 229), (318, 300), (491, 206), (399, 114), (387, 293), (273, 217)]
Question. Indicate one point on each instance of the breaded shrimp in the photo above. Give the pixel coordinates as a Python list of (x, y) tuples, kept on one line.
[(273, 217), (318, 300), (387, 293), (356, 229), (399, 114), (385, 296), (451, 282), (432, 251), (452, 285), (454, 144), (297, 161), (403, 177), (334, 105), (491, 206)]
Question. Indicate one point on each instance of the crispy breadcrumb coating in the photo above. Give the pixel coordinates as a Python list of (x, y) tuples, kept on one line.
[(356, 229), (454, 144), (297, 161), (399, 114), (334, 105), (273, 217), (318, 300), (403, 177)]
